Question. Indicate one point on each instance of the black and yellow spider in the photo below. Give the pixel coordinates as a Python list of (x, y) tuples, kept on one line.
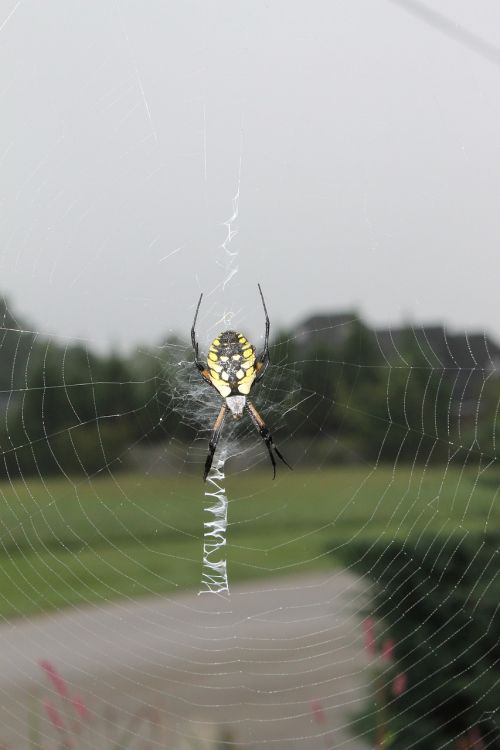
[(232, 369)]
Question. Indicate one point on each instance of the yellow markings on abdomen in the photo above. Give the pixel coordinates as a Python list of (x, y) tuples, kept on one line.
[(231, 363), (244, 388), (223, 388), (246, 382)]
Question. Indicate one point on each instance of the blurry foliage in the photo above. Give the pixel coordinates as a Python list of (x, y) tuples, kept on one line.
[(487, 432), (16, 345), (61, 719), (398, 409), (72, 411), (65, 409), (75, 412), (438, 597)]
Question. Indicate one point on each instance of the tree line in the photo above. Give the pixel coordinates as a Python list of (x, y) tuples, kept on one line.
[(65, 409)]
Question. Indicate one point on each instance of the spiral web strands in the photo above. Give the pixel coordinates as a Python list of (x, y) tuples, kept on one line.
[(364, 586)]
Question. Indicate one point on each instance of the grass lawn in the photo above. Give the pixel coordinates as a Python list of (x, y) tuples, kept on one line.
[(69, 542)]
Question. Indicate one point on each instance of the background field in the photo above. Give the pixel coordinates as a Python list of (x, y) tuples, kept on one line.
[(127, 536)]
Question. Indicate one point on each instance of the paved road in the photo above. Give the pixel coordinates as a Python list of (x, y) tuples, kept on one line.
[(254, 662)]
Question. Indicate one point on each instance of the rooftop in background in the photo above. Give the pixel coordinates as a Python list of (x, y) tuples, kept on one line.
[(441, 347), (329, 330), (466, 360)]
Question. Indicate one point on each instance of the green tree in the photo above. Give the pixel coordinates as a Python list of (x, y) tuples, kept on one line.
[(420, 404), (77, 413), (16, 344), (361, 392)]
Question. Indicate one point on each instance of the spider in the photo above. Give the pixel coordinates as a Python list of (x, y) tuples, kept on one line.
[(233, 369)]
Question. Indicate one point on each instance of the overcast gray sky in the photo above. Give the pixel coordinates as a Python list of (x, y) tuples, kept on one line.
[(365, 145)]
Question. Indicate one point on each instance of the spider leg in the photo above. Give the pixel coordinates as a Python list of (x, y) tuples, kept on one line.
[(214, 439), (194, 343), (263, 360), (199, 364), (266, 436)]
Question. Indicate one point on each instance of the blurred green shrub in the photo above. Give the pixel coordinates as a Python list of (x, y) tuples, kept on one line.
[(439, 599), (77, 412), (381, 409)]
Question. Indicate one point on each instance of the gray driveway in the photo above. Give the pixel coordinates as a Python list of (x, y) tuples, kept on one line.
[(256, 662)]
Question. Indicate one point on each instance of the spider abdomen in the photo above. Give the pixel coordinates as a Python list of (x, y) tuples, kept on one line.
[(232, 368), (231, 364)]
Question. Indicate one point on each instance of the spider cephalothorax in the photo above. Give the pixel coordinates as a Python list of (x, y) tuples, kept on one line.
[(232, 368)]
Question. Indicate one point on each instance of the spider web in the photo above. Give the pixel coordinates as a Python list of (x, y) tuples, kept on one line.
[(129, 186)]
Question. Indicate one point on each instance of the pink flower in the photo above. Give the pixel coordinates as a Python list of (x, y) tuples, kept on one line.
[(56, 679), (369, 635), (475, 739), (318, 712), (80, 708), (400, 683), (53, 714), (388, 650)]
